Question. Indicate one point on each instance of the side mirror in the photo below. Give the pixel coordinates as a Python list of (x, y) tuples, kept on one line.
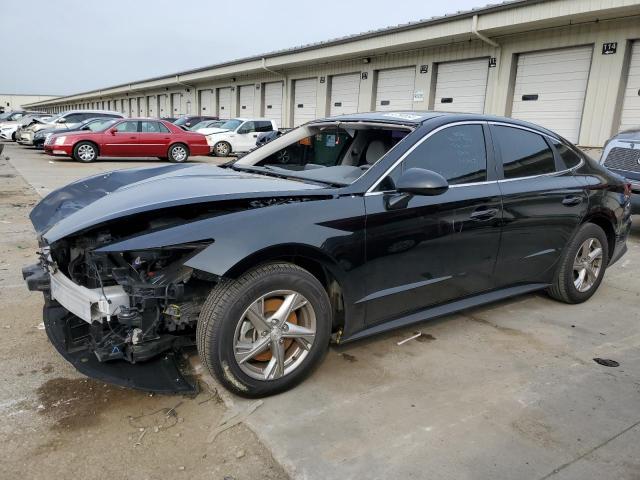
[(419, 181), (113, 131), (62, 120)]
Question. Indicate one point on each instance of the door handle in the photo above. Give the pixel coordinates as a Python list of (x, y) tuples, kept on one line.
[(482, 214), (255, 136), (132, 138), (571, 200)]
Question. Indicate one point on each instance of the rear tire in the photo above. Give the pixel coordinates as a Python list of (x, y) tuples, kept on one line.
[(582, 266), (85, 152), (178, 153), (229, 329), (222, 149)]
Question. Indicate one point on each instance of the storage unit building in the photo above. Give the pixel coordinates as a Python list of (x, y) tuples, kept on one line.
[(247, 97), (206, 102), (224, 103)]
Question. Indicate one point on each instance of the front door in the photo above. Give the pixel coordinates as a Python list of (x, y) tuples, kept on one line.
[(122, 140), (245, 137), (543, 205), (435, 248)]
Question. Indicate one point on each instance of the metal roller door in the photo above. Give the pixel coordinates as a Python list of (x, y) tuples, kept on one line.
[(224, 102), (247, 97), (345, 90), (141, 107), (272, 106), (124, 107), (304, 101), (631, 103), (206, 102), (550, 89), (163, 110), (461, 86), (395, 89), (152, 105), (133, 107), (176, 104)]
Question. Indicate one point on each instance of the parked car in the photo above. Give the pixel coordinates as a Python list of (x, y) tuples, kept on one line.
[(8, 130), (12, 115), (92, 125), (376, 221), (204, 126), (238, 135), (169, 119), (190, 120), (64, 120), (621, 154), (130, 137)]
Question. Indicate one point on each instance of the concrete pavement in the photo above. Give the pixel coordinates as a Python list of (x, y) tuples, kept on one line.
[(504, 391)]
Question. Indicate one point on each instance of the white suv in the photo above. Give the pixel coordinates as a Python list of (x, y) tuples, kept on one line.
[(237, 135)]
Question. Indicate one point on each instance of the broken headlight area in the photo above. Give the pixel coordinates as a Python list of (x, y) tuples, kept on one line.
[(128, 307)]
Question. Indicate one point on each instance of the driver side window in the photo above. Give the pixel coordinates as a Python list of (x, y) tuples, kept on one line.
[(128, 127), (457, 153), (247, 127)]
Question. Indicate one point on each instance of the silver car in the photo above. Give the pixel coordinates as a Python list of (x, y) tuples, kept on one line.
[(621, 155)]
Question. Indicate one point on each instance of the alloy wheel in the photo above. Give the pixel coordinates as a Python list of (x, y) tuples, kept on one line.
[(222, 149), (587, 264), (274, 335), (179, 153), (86, 153)]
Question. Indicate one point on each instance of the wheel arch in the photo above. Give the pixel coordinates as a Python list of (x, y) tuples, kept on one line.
[(316, 262), (179, 142), (606, 221)]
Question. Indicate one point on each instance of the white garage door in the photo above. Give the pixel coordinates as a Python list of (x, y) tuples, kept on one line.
[(206, 102), (224, 102), (163, 109), (461, 86), (550, 89), (133, 107), (141, 107), (345, 90), (247, 96), (272, 107), (304, 101), (395, 89), (152, 105), (176, 104), (631, 103)]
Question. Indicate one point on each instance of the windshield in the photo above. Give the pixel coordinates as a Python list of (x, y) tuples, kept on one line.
[(331, 154), (203, 124), (231, 124), (5, 115), (53, 119), (182, 120)]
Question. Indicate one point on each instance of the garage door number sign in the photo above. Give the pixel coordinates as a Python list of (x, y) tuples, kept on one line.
[(609, 48)]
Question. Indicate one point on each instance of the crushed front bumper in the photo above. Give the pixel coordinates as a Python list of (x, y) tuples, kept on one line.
[(71, 336)]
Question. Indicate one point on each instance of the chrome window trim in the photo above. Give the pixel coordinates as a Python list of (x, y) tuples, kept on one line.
[(416, 145)]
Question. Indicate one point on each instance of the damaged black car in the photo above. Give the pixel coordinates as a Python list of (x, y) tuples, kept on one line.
[(342, 228)]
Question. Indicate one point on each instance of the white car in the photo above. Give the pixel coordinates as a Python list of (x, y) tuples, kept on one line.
[(9, 128), (237, 135), (66, 120)]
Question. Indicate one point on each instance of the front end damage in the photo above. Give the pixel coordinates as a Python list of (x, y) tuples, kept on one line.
[(123, 318)]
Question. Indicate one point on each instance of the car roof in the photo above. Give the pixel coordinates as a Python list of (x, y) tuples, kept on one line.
[(110, 112), (417, 117)]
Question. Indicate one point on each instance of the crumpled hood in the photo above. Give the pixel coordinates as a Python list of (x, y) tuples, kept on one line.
[(108, 196), (212, 130)]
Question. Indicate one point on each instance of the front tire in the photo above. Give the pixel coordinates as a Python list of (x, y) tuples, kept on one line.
[(582, 266), (264, 332), (178, 153), (85, 152), (222, 149)]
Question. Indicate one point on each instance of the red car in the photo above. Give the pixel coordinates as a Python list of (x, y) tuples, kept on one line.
[(130, 137)]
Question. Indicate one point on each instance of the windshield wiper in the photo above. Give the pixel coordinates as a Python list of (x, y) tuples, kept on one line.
[(277, 172)]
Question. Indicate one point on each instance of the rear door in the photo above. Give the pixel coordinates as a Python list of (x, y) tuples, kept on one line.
[(122, 140), (434, 249), (154, 139), (543, 204)]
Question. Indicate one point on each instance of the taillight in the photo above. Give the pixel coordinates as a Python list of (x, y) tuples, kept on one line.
[(627, 191)]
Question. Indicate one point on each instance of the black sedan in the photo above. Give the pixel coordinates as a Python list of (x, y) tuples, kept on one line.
[(93, 124), (340, 229)]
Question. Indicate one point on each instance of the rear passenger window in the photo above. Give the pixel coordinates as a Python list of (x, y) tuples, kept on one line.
[(457, 153), (568, 158), (523, 153), (154, 127)]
